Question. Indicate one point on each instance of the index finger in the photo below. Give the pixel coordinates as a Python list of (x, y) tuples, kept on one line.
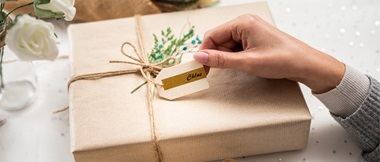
[(222, 37)]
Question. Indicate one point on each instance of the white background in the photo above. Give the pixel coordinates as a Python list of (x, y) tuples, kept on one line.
[(348, 30)]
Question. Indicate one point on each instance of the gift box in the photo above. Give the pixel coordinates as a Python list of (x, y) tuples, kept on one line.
[(239, 115)]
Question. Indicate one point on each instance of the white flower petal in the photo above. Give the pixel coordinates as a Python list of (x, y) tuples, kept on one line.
[(31, 39)]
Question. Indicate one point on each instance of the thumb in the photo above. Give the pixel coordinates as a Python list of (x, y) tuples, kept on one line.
[(218, 59)]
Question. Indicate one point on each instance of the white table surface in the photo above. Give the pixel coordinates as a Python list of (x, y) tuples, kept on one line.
[(348, 30)]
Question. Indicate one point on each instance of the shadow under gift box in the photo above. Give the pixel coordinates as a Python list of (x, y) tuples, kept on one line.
[(239, 115)]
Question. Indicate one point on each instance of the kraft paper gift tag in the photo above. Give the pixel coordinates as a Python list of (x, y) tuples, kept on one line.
[(181, 80)]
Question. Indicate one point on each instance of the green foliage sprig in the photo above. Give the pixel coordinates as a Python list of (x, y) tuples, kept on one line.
[(169, 46)]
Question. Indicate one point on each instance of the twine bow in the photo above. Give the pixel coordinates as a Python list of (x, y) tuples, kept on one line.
[(146, 66)]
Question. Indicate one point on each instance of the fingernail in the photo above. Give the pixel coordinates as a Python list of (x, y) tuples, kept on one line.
[(201, 57)]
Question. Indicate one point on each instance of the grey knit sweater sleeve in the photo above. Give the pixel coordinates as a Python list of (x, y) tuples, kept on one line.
[(364, 124), (355, 104)]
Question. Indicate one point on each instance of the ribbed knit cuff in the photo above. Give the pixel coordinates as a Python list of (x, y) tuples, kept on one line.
[(348, 95), (364, 124)]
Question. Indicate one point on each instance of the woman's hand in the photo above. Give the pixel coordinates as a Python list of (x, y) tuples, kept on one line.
[(252, 45)]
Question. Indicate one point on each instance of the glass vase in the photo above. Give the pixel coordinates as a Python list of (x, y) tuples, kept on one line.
[(19, 85), (18, 81)]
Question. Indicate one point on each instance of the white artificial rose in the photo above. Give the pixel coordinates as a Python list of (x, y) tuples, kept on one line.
[(57, 6), (31, 39)]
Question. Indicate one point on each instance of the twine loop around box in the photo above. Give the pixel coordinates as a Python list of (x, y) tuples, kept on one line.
[(146, 69)]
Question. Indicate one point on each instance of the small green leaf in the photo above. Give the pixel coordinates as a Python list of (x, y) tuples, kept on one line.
[(46, 13), (171, 37)]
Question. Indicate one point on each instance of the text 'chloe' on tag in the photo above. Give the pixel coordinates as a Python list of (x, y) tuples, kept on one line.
[(183, 79)]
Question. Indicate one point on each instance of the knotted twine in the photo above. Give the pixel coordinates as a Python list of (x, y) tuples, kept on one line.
[(146, 69)]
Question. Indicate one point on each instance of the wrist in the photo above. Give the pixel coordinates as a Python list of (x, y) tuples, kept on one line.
[(322, 72), (347, 97)]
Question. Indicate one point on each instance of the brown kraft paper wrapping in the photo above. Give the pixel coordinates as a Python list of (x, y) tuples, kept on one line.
[(239, 115), (95, 10)]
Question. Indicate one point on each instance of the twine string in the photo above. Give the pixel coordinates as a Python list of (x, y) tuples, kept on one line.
[(146, 69), (156, 147)]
